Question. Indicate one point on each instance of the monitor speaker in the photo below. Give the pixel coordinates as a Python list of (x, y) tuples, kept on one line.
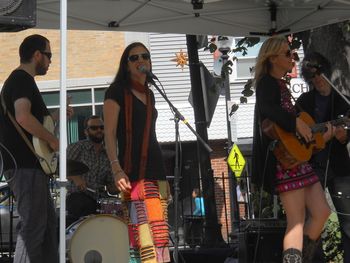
[(16, 15), (261, 241)]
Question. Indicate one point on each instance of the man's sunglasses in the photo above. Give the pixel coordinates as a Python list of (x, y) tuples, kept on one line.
[(96, 127), (144, 56), (48, 54)]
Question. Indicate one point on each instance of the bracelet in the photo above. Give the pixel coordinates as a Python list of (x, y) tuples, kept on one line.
[(114, 161)]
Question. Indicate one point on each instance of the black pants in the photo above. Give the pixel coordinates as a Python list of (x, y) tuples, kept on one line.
[(79, 204), (342, 205)]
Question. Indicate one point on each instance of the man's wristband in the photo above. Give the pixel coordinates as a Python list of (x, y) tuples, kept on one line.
[(114, 161)]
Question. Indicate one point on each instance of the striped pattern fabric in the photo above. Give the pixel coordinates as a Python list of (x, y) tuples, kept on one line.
[(146, 214)]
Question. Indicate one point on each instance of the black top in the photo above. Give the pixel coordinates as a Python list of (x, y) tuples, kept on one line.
[(337, 152), (155, 165), (268, 105), (19, 84)]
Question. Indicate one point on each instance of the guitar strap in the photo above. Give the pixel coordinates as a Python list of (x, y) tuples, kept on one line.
[(296, 104), (18, 128)]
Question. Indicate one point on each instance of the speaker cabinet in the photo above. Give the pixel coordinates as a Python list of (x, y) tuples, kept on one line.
[(263, 244), (16, 15)]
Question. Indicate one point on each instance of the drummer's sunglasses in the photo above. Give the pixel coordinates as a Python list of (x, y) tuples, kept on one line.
[(96, 127)]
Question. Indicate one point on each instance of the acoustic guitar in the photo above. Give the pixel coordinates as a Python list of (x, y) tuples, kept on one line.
[(47, 157), (291, 149)]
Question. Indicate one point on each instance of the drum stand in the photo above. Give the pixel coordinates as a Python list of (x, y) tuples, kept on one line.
[(11, 204), (8, 195)]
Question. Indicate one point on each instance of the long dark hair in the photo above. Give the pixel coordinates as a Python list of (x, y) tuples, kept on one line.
[(122, 79)]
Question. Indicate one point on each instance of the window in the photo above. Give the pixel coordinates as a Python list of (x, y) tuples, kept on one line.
[(83, 105), (242, 65)]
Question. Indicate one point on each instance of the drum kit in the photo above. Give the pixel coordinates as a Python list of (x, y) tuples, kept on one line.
[(100, 237)]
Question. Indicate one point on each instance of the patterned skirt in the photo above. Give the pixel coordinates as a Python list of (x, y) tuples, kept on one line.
[(146, 214), (297, 177)]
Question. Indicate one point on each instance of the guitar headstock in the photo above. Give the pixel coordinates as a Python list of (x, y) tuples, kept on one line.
[(343, 121)]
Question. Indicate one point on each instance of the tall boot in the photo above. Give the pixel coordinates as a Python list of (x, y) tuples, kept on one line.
[(309, 248), (292, 255)]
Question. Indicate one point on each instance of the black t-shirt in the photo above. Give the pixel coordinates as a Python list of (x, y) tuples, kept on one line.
[(337, 152), (321, 113), (155, 164), (19, 85)]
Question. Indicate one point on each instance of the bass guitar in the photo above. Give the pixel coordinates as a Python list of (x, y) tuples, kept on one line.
[(47, 157), (291, 149)]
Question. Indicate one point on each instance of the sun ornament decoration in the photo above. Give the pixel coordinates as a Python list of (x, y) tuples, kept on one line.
[(181, 59)]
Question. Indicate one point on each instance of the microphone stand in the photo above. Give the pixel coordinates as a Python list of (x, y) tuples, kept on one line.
[(177, 117), (11, 207), (330, 83)]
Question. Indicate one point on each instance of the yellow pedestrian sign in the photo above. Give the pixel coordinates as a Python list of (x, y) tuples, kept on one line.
[(236, 160)]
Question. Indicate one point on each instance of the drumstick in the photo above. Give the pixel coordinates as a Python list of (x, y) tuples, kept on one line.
[(91, 190)]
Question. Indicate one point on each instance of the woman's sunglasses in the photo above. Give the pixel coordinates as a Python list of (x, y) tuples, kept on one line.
[(293, 55), (136, 57)]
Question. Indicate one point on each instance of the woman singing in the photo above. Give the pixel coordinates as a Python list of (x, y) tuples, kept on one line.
[(135, 155)]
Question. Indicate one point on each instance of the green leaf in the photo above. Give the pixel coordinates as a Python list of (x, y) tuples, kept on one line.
[(222, 38), (212, 47), (226, 68), (234, 108), (296, 42), (249, 84), (243, 100), (252, 41), (247, 92)]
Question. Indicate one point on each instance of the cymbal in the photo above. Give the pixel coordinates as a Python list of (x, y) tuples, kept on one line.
[(75, 168)]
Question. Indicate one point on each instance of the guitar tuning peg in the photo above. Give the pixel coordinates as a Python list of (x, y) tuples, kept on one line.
[(347, 114)]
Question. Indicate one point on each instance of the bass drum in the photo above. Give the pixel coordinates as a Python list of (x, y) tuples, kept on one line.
[(98, 238)]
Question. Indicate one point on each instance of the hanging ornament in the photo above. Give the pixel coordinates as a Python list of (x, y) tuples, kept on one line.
[(181, 59)]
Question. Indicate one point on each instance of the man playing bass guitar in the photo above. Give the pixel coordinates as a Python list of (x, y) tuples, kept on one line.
[(22, 113)]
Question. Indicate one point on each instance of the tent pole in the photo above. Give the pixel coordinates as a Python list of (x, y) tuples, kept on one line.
[(212, 233), (63, 129)]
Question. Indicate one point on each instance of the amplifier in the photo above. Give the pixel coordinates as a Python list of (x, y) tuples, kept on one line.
[(262, 223), (261, 240)]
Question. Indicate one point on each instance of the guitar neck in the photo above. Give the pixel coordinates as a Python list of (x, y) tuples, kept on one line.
[(321, 127)]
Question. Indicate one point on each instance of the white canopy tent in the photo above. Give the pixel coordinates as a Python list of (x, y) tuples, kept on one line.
[(224, 17), (198, 17)]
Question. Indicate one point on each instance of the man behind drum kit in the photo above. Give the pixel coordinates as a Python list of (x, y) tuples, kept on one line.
[(85, 188)]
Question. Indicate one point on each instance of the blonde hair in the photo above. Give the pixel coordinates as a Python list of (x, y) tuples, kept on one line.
[(272, 46)]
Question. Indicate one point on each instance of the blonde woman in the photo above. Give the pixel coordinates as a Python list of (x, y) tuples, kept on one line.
[(299, 188)]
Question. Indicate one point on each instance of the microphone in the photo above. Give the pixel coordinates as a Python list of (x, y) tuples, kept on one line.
[(146, 71), (311, 65)]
